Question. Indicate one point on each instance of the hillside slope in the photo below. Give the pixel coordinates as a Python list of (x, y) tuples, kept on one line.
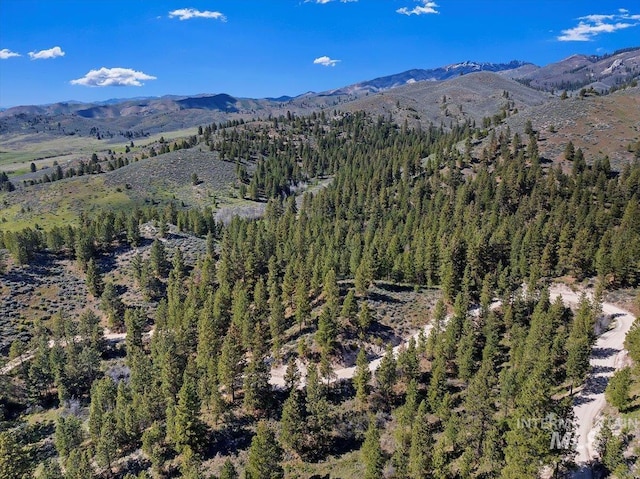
[(469, 97)]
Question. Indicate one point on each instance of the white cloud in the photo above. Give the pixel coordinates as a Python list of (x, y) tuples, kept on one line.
[(6, 53), (189, 13), (113, 77), (591, 26), (47, 54), (426, 8), (325, 61)]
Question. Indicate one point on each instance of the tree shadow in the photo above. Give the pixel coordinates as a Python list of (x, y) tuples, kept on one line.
[(395, 288), (595, 385), (381, 297), (602, 353), (230, 439)]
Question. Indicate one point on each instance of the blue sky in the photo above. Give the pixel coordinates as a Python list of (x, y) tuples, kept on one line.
[(58, 50)]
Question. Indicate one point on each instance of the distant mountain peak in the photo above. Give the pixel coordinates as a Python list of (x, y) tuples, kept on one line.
[(435, 74)]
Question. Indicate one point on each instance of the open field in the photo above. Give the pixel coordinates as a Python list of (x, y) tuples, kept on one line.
[(18, 151), (58, 203)]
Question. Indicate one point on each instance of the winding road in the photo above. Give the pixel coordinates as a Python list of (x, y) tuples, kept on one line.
[(607, 356)]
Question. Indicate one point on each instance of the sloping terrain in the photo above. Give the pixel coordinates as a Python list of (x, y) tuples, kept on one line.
[(469, 97), (169, 176), (435, 74), (582, 71), (599, 125)]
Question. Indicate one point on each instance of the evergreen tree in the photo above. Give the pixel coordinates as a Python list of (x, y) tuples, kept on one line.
[(303, 305), (265, 455), (231, 365), (112, 305), (364, 318), (94, 279), (292, 375), (617, 391), (107, 444), (228, 470), (68, 435), (327, 332), (13, 456), (256, 385), (292, 423), (349, 306), (330, 292), (362, 377), (190, 465), (276, 317), (364, 277), (187, 428), (158, 258), (610, 448), (437, 383), (386, 374), (371, 452), (317, 413), (420, 460), (78, 465)]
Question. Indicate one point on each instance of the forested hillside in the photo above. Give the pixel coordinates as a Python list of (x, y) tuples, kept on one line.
[(188, 392)]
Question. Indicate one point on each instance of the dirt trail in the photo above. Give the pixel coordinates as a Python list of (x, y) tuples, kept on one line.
[(607, 356), (277, 374)]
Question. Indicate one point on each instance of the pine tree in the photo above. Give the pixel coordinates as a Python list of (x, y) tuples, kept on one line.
[(349, 306), (362, 377), (327, 332), (152, 446), (158, 258), (330, 292), (276, 317), (265, 455), (581, 337), (83, 248), (364, 318), (303, 306), (68, 434), (94, 279), (317, 413), (78, 465), (363, 277), (610, 448), (386, 374), (292, 423), (437, 383), (230, 364), (107, 444), (103, 400), (190, 464), (256, 385), (422, 442), (228, 470), (13, 456), (371, 452), (112, 305), (187, 429), (292, 375), (617, 391)]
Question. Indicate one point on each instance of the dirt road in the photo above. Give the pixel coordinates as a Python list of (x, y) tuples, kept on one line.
[(607, 356)]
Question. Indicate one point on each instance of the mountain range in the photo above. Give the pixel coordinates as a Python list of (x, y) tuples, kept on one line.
[(475, 90)]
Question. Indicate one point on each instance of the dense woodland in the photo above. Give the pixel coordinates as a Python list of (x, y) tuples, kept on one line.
[(476, 214)]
